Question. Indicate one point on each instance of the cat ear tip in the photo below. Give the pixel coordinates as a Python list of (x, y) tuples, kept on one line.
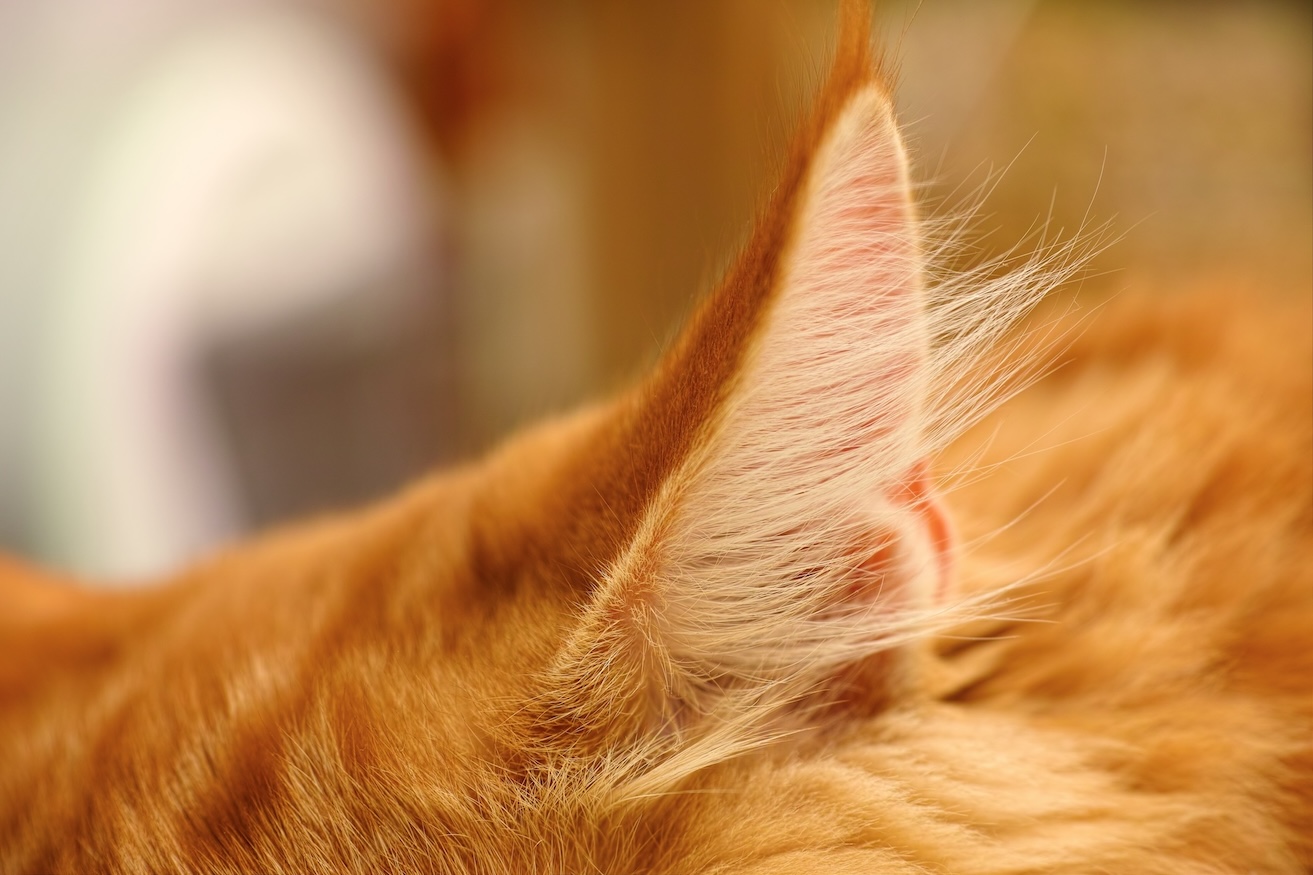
[(877, 99)]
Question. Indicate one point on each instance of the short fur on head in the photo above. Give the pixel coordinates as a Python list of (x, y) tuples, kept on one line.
[(723, 623)]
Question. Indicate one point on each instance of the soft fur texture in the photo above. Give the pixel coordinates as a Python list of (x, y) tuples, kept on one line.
[(803, 601)]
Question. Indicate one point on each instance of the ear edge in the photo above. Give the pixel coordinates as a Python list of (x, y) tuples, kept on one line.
[(632, 622), (866, 120)]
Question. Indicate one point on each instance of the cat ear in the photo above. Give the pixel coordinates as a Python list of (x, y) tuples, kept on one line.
[(798, 541)]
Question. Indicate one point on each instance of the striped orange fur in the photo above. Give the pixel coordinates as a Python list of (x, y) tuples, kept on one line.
[(819, 595)]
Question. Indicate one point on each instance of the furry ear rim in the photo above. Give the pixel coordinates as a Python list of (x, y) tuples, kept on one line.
[(818, 454), (800, 534)]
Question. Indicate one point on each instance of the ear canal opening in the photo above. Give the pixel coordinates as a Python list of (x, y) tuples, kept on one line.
[(934, 532)]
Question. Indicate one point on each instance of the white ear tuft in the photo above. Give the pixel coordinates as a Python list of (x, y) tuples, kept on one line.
[(800, 534)]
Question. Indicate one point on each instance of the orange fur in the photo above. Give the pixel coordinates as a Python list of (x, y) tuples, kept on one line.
[(493, 673)]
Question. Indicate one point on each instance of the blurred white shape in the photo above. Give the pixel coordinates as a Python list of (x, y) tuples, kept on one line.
[(203, 174)]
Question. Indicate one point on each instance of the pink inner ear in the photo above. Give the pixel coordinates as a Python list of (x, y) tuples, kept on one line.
[(888, 561), (873, 167), (852, 319), (918, 496)]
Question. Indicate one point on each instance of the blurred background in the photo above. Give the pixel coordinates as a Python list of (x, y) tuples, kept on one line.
[(266, 259)]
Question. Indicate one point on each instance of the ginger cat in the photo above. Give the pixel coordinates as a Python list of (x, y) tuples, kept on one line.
[(735, 621)]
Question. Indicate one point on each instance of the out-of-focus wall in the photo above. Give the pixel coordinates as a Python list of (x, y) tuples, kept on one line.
[(1188, 125), (1185, 126), (550, 186), (186, 190)]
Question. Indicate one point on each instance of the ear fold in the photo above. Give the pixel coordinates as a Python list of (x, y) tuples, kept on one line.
[(799, 538)]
